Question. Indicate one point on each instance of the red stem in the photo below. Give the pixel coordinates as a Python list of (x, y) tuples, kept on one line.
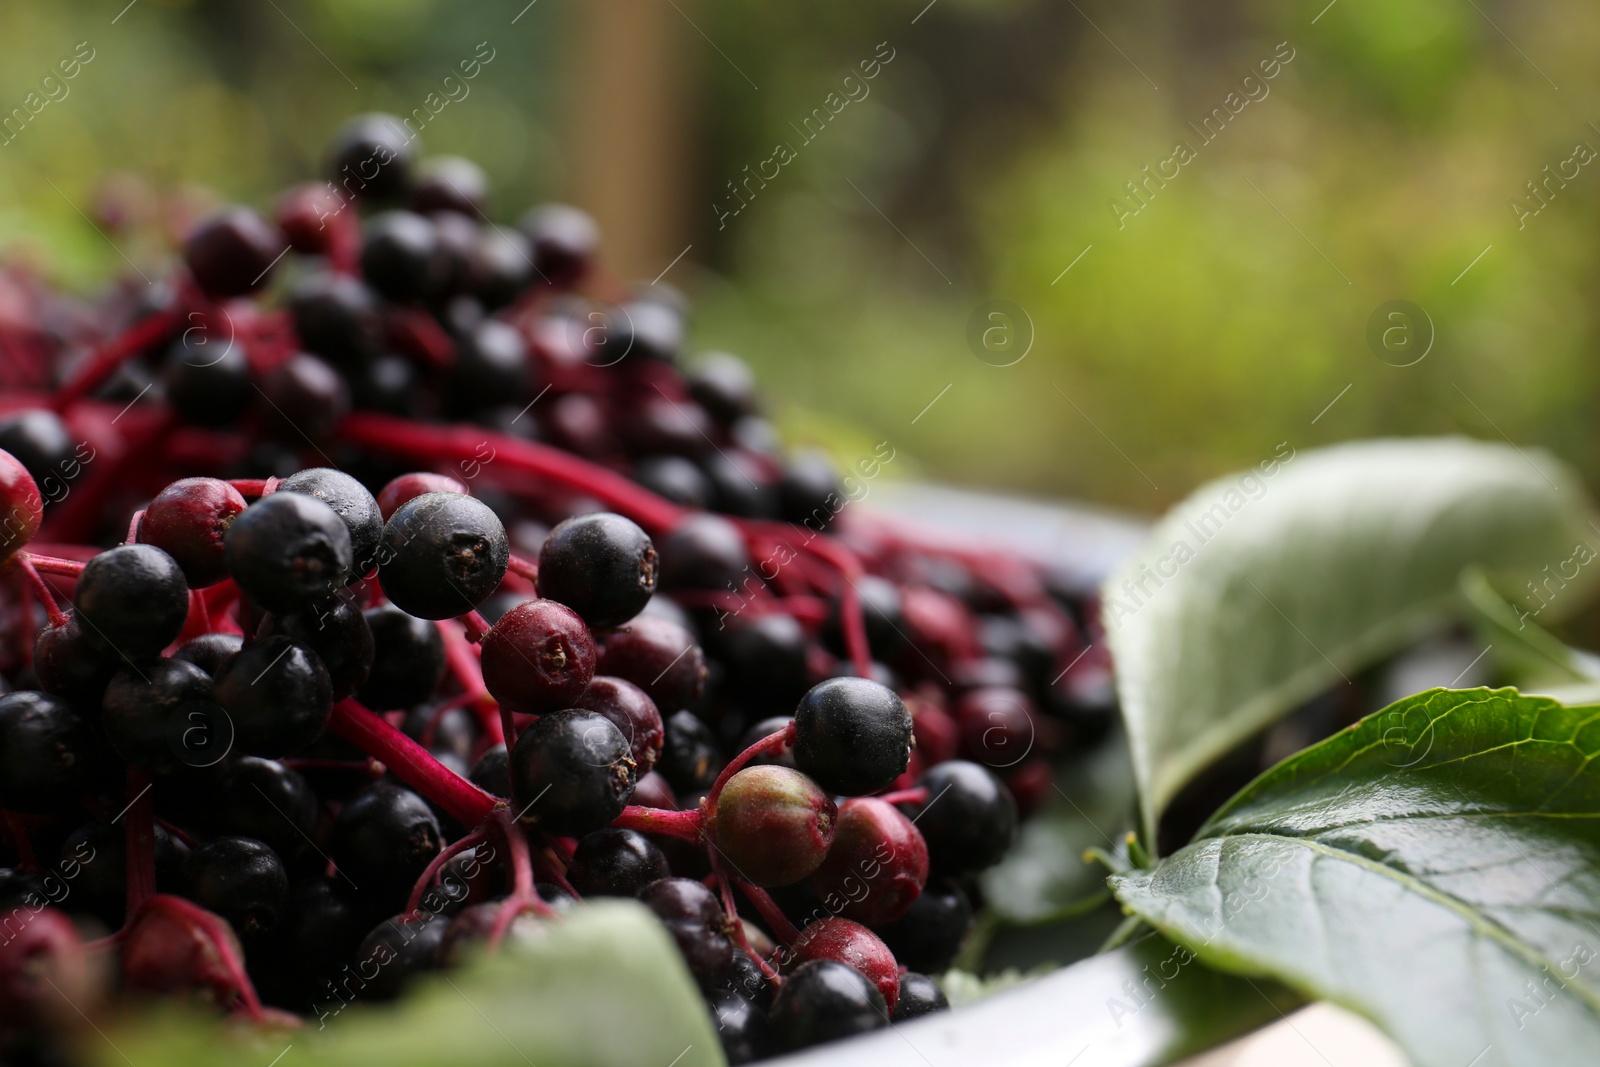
[(771, 743), (776, 920), (475, 625), (914, 795), (522, 567), (735, 924), (52, 565), (446, 854), (42, 590), (221, 938), (124, 346), (411, 763), (687, 825)]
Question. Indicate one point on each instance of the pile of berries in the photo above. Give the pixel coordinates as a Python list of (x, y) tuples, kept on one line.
[(288, 720)]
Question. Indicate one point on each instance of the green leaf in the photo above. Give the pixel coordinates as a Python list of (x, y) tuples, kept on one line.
[(604, 988), (1535, 658), (1436, 867), (1264, 589)]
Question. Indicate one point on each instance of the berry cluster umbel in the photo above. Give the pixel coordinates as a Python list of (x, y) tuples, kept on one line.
[(380, 607)]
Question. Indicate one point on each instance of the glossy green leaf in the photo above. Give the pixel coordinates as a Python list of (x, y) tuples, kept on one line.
[(1266, 588), (1435, 867), (603, 988)]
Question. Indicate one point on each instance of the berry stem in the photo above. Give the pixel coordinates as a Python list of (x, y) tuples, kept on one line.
[(140, 831), (446, 854), (42, 590), (719, 871), (111, 355), (524, 897), (71, 568), (776, 920), (687, 825), (475, 625), (133, 527), (523, 568), (411, 763), (468, 670), (771, 743), (249, 487), (914, 795)]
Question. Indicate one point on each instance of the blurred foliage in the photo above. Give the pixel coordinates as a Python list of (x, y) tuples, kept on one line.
[(1217, 322)]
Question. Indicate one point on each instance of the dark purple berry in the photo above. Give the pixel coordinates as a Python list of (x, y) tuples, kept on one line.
[(574, 771), (232, 252), (825, 1001), (852, 735), (240, 879), (407, 660), (383, 839), (969, 819), (277, 696), (146, 706), (616, 863), (600, 565), (704, 552), (337, 632), (48, 753), (132, 599), (690, 758), (289, 550), (697, 924), (564, 241), (337, 317), (539, 657), (442, 555), (371, 157), (660, 657), (919, 996)]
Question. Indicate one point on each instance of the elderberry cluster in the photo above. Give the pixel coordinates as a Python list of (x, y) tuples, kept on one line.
[(392, 597)]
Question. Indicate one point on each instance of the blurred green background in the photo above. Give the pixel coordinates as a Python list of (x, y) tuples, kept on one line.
[(1186, 339)]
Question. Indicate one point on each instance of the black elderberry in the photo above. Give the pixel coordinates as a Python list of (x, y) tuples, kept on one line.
[(492, 772), (371, 157), (48, 753), (600, 565), (337, 317), (724, 386), (765, 660), (39, 440), (354, 505), (659, 656), (450, 183), (574, 770), (919, 995), (233, 252), (442, 555), (407, 660), (969, 819), (337, 632), (289, 550), (564, 243), (68, 665), (302, 400), (207, 377), (675, 478), (265, 800), (690, 758), (491, 366), (132, 599), (242, 880), (824, 1001), (741, 1027), (396, 951), (277, 696), (852, 735), (614, 862), (640, 330), (704, 552), (740, 485), (209, 650), (382, 840), (93, 864), (697, 924), (145, 707), (401, 256), (809, 494)]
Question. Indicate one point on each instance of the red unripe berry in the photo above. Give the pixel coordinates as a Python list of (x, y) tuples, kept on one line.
[(998, 726), (853, 945), (410, 486), (538, 658), (21, 506), (877, 866), (175, 946), (41, 949), (305, 214), (232, 252), (188, 520), (773, 825), (938, 736)]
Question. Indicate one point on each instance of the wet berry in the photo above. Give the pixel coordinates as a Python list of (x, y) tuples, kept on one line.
[(600, 565), (575, 771), (188, 520), (852, 735), (852, 944), (349, 500), (132, 600), (539, 657), (616, 863), (289, 550), (442, 555)]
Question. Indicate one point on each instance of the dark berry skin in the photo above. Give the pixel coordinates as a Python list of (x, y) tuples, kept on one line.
[(188, 520), (491, 366), (263, 799), (852, 735), (783, 757), (19, 888), (933, 928), (68, 665), (277, 695), (997, 726), (442, 555), (372, 157), (824, 1001), (492, 772), (600, 565), (740, 484), (852, 944), (207, 378), (450, 183), (919, 996), (401, 257), (660, 657), (741, 1027), (132, 599), (969, 819), (410, 486), (773, 825), (93, 862), (337, 632), (630, 710), (48, 753), (539, 657), (336, 316), (209, 650), (675, 478), (724, 386), (641, 330), (809, 493), (232, 252), (302, 213), (240, 879), (38, 440), (396, 950), (575, 770), (765, 660), (696, 922), (704, 552), (383, 839), (302, 400), (407, 660), (317, 936), (499, 267), (690, 758), (289, 550), (140, 704), (616, 863), (564, 241), (877, 866), (349, 500)]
